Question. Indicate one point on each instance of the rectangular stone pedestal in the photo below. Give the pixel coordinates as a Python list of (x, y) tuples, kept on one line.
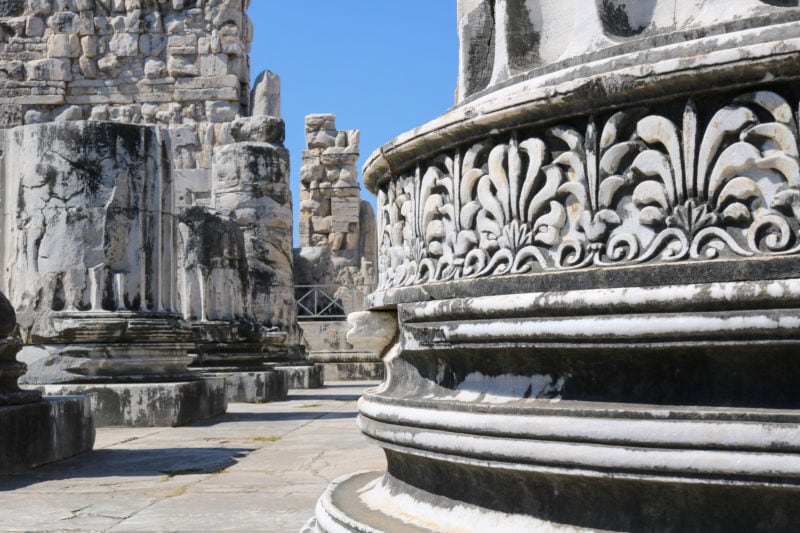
[(348, 366), (37, 433), (254, 386), (149, 404), (309, 376)]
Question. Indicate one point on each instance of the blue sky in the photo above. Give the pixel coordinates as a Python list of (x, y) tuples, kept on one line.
[(381, 66)]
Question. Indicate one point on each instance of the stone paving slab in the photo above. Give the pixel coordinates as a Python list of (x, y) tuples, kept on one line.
[(260, 467)]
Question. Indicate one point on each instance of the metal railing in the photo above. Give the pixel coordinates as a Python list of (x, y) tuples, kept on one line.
[(329, 302)]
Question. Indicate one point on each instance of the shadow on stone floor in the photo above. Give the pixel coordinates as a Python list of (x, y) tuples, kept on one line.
[(131, 462), (329, 391), (315, 397), (298, 414)]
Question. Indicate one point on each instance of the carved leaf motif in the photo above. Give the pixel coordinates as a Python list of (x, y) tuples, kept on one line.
[(546, 228), (735, 159), (772, 139), (736, 212), (647, 187), (652, 216), (553, 178), (789, 199), (725, 122), (614, 158), (529, 200), (650, 193)]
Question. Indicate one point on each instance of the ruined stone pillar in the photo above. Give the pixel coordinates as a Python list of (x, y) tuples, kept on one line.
[(593, 259), (334, 265), (251, 185), (238, 287), (89, 237)]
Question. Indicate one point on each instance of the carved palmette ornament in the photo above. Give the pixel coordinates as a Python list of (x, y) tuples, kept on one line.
[(639, 187)]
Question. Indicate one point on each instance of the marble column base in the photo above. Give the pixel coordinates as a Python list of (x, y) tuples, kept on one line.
[(148, 404), (38, 433), (369, 501)]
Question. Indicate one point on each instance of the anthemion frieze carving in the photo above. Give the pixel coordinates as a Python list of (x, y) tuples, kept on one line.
[(704, 180)]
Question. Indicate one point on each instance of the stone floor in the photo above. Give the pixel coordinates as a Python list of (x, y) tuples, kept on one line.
[(260, 467)]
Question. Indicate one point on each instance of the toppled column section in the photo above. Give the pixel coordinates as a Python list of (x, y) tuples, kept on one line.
[(88, 239), (334, 266)]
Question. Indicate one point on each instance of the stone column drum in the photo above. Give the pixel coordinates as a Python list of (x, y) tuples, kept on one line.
[(593, 258), (247, 329), (89, 231)]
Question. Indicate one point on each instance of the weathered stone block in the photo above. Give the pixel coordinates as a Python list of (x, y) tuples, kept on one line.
[(50, 69), (12, 8), (303, 376), (40, 7), (89, 45), (128, 23), (152, 44), (213, 65), (124, 44), (42, 432), (99, 112), (153, 23), (110, 65), (64, 22), (180, 66), (225, 93), (10, 115), (265, 98), (34, 116), (88, 67), (34, 27), (154, 68), (221, 111), (371, 331), (149, 404), (85, 23), (185, 135), (63, 45), (182, 44), (260, 128), (14, 70), (68, 113), (253, 386)]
